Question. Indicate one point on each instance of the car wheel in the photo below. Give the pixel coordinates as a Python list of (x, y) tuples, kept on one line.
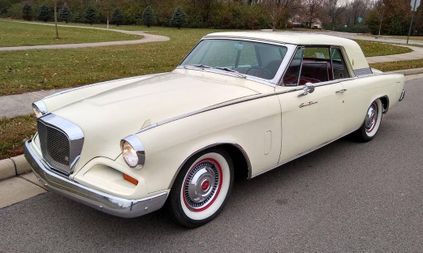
[(201, 189), (371, 122)]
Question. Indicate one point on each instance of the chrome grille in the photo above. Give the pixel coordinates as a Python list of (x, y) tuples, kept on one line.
[(61, 142)]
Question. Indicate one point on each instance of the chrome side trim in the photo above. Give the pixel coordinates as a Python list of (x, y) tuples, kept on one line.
[(217, 106), (108, 203), (249, 98)]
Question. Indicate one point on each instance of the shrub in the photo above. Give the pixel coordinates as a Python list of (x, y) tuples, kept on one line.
[(45, 13), (148, 16), (27, 12), (65, 14), (90, 16), (178, 18), (117, 17)]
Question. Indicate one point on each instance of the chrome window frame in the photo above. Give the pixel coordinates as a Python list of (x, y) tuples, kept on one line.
[(274, 81), (351, 72)]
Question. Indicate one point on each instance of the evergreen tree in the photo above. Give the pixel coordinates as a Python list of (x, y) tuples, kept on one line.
[(90, 16), (117, 17), (178, 18), (148, 16), (45, 13), (27, 12), (65, 14), (138, 17)]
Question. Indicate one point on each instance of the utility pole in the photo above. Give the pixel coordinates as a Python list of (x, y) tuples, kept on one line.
[(55, 19), (413, 11)]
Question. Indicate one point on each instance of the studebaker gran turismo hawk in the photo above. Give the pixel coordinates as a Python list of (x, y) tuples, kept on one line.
[(239, 103)]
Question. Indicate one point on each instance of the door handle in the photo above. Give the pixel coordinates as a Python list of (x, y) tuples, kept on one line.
[(307, 104), (341, 91)]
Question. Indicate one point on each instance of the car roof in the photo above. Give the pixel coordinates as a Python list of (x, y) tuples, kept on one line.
[(352, 49)]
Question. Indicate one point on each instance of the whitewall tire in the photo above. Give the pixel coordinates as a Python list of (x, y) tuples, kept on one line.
[(372, 122), (202, 187)]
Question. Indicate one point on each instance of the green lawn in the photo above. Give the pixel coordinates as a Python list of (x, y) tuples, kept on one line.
[(23, 71), (12, 134), (398, 65), (19, 34), (371, 48)]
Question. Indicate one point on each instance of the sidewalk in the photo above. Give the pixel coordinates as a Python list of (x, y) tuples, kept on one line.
[(415, 55), (21, 104), (147, 38)]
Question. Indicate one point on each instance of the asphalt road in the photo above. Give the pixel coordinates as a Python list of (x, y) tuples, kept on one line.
[(344, 197)]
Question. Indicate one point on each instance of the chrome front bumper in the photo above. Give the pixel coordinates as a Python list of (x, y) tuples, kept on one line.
[(126, 208)]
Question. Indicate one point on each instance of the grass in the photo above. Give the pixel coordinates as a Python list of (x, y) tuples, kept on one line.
[(13, 132), (398, 65), (20, 34), (24, 71), (371, 48)]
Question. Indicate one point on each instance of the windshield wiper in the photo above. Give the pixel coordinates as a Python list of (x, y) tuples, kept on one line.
[(201, 66), (232, 71)]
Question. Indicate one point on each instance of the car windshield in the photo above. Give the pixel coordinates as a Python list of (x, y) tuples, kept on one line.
[(241, 57)]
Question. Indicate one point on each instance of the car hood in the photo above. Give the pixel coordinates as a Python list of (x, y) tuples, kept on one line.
[(111, 115)]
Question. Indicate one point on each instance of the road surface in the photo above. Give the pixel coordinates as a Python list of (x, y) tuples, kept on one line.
[(344, 197)]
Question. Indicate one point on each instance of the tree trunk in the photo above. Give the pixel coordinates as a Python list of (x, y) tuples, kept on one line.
[(55, 19)]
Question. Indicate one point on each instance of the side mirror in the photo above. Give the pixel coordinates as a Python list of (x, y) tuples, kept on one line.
[(308, 88)]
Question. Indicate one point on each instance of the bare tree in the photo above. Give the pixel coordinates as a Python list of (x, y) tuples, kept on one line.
[(333, 10), (106, 7), (358, 8), (280, 10), (313, 8), (379, 8)]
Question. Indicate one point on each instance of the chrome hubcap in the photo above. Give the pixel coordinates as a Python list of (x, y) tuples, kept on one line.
[(371, 117), (202, 184)]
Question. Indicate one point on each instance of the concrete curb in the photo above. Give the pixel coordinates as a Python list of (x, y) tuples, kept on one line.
[(14, 166), (408, 72)]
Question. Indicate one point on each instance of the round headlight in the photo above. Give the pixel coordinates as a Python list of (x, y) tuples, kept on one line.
[(39, 108), (133, 151)]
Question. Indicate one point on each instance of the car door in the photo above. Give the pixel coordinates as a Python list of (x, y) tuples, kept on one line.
[(312, 113), (354, 93)]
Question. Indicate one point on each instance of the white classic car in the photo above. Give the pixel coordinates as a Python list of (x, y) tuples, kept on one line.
[(240, 103)]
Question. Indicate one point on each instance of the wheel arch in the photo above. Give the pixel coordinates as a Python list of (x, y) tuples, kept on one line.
[(385, 103), (240, 159)]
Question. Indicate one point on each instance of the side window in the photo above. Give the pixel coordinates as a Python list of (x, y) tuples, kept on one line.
[(317, 53), (293, 72), (338, 64), (316, 65)]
